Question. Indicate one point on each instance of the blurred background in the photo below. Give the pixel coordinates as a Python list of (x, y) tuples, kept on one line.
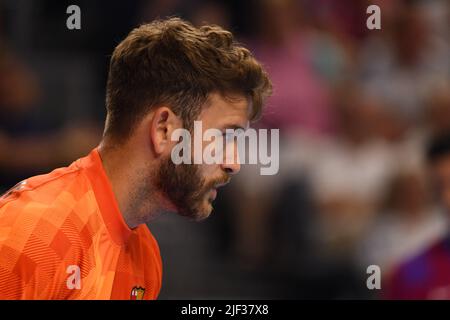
[(355, 108)]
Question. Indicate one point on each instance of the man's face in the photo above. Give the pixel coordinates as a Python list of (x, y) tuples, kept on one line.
[(192, 188), (441, 173)]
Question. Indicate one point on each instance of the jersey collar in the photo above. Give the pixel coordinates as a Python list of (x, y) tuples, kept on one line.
[(107, 202)]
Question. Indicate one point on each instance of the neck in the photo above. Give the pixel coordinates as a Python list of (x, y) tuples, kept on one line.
[(131, 183)]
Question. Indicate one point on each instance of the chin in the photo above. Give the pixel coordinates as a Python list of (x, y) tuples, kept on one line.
[(204, 212)]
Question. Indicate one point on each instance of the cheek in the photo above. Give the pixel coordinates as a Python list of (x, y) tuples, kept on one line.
[(206, 171)]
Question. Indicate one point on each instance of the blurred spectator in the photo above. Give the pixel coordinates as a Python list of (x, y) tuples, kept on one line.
[(26, 147), (404, 62), (426, 276), (301, 98), (408, 225), (34, 139), (348, 174)]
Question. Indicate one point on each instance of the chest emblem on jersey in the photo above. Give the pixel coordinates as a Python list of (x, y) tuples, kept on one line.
[(137, 293)]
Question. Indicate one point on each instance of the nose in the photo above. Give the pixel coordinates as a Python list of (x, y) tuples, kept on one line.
[(231, 165), (231, 168)]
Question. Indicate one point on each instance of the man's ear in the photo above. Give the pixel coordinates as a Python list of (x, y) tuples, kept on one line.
[(163, 123)]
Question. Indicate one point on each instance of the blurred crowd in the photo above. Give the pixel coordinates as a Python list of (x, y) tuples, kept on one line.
[(355, 108)]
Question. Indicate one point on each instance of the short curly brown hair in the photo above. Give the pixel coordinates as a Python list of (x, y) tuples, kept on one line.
[(174, 63)]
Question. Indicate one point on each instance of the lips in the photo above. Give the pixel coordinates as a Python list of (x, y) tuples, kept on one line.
[(220, 185), (213, 194), (213, 191)]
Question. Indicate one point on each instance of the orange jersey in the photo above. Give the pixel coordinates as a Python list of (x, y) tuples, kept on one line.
[(62, 236)]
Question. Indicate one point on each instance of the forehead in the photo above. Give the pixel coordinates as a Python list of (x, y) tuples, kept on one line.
[(231, 111)]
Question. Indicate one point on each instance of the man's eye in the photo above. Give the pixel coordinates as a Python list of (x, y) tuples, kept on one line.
[(229, 136)]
